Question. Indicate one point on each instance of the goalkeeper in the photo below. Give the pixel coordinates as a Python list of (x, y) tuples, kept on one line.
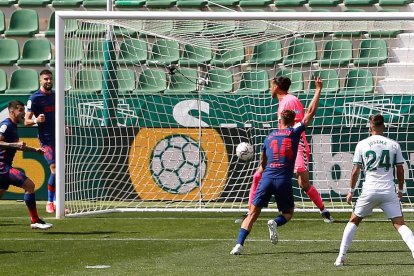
[(279, 89)]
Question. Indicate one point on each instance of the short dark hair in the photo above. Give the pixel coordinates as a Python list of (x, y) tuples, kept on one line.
[(283, 83), (376, 120), (288, 117), (14, 104), (45, 72)]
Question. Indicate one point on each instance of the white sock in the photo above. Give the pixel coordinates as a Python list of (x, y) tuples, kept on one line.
[(407, 236), (347, 237)]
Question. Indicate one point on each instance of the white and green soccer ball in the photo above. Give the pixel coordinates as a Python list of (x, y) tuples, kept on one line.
[(244, 151), (178, 164)]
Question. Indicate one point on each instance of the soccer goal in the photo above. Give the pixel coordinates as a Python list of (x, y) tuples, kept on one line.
[(152, 105)]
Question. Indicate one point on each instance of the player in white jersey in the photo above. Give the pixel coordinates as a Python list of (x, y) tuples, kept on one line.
[(377, 156)]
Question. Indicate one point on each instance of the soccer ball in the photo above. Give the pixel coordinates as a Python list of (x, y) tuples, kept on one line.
[(244, 151)]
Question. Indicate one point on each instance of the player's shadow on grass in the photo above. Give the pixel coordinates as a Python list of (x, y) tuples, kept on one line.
[(81, 233)]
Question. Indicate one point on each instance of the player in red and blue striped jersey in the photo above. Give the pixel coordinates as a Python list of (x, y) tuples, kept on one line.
[(41, 104), (9, 144), (278, 162)]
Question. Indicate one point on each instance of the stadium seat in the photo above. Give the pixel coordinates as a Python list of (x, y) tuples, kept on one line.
[(130, 3), (3, 81), (255, 3), (325, 3), (2, 23), (132, 51), (70, 26), (35, 52), (296, 78), (300, 51), (9, 51), (229, 53), (330, 81), (360, 2), (184, 80), (151, 81), (126, 81), (218, 81), (74, 51), (336, 53), (196, 54), (23, 23), (358, 82), (164, 51), (67, 3), (226, 3), (91, 4), (33, 3), (254, 82), (67, 78), (372, 52), (95, 53), (87, 82), (191, 3), (268, 53), (394, 2), (91, 29), (290, 3), (23, 81), (7, 3), (160, 4), (121, 31)]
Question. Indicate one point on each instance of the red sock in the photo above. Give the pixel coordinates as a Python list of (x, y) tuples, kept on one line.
[(30, 201), (256, 179), (314, 195)]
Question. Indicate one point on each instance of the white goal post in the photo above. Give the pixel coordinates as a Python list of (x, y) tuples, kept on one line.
[(150, 106)]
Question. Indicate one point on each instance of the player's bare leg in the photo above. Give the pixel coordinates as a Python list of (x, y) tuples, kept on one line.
[(313, 194)]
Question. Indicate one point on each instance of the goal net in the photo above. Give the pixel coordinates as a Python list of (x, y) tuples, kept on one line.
[(155, 103)]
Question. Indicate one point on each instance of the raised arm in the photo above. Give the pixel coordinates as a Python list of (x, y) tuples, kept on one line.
[(18, 146), (313, 106)]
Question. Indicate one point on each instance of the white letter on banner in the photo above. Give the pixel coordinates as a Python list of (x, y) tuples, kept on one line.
[(181, 112)]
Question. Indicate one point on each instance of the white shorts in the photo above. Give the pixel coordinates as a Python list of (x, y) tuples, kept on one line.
[(387, 201)]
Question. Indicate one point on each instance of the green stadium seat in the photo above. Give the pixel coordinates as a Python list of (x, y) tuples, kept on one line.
[(91, 29), (2, 23), (296, 78), (254, 82), (360, 2), (9, 51), (326, 3), (372, 52), (336, 53), (87, 82), (130, 3), (394, 2), (151, 81), (191, 3), (290, 3), (23, 81), (132, 51), (126, 81), (184, 80), (330, 80), (33, 3), (164, 51), (268, 53), (50, 31), (70, 26), (7, 3), (95, 53), (92, 4), (285, 10), (229, 53), (36, 52), (219, 81), (196, 54), (67, 78), (121, 31), (358, 82), (226, 3), (255, 3), (74, 51), (23, 22), (160, 4), (3, 81), (300, 51), (67, 3)]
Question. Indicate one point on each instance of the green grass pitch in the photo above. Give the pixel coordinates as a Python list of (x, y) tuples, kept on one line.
[(194, 244)]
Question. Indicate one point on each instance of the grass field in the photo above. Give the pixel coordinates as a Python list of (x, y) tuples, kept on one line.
[(194, 244)]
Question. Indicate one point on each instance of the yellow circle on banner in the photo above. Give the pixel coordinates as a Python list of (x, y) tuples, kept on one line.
[(140, 155), (31, 167)]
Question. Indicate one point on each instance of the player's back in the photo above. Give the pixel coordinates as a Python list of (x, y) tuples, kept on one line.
[(378, 155), (291, 102)]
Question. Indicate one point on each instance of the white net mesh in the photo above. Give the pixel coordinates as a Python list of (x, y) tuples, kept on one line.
[(157, 112)]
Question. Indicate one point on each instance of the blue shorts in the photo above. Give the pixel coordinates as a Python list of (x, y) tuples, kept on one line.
[(49, 153), (13, 177), (280, 188)]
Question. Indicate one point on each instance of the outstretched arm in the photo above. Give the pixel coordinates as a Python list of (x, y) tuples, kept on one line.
[(18, 146), (313, 106)]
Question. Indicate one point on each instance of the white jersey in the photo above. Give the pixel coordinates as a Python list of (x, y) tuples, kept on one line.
[(378, 155)]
